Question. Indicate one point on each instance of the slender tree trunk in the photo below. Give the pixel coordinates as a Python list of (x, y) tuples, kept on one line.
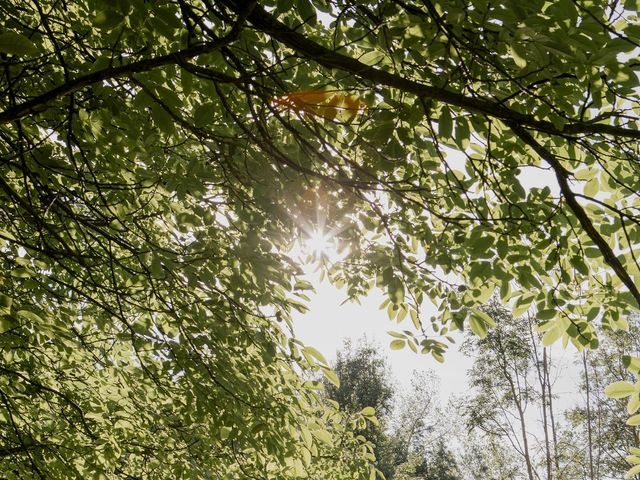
[(542, 371), (554, 432), (517, 400), (543, 376), (525, 441), (589, 433)]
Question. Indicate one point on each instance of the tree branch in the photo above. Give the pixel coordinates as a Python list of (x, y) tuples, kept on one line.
[(41, 102), (11, 451), (268, 24), (562, 175)]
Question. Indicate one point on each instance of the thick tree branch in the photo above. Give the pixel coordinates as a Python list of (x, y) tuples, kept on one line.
[(41, 102), (11, 451), (324, 56), (298, 42), (562, 175)]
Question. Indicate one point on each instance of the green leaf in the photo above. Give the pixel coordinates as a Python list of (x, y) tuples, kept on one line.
[(522, 304), (204, 114), (633, 404), (445, 123), (4, 234), (478, 326), (546, 314), (553, 334), (415, 320), (6, 324), (620, 390), (162, 118), (306, 436), (632, 471), (307, 11), (323, 436), (633, 421), (156, 267), (481, 244), (368, 411), (592, 187), (395, 289), (22, 272), (316, 354), (224, 433), (484, 317), (29, 315), (462, 133), (631, 363), (16, 44), (397, 344), (372, 57), (331, 376), (518, 53), (5, 302), (397, 334)]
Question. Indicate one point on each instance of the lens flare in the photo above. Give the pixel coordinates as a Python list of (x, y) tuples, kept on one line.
[(319, 243)]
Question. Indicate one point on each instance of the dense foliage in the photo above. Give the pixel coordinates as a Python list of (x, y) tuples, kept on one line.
[(159, 159)]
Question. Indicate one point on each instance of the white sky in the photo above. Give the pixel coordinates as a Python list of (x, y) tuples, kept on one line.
[(328, 324)]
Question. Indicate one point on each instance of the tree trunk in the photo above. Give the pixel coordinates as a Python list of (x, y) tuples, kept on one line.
[(517, 400), (542, 371), (543, 376), (554, 433), (589, 433)]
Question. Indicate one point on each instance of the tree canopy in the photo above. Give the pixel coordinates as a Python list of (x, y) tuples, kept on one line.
[(159, 160), (412, 437), (365, 383)]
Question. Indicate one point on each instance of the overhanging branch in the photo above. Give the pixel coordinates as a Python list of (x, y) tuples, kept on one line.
[(562, 175), (42, 101), (517, 121), (307, 48), (265, 22)]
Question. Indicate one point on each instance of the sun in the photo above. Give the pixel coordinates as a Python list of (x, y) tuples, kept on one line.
[(320, 243), (318, 240)]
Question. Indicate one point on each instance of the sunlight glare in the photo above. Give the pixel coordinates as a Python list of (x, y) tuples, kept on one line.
[(319, 243), (318, 246)]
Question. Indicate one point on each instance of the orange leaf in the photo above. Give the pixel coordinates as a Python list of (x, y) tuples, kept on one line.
[(321, 103)]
